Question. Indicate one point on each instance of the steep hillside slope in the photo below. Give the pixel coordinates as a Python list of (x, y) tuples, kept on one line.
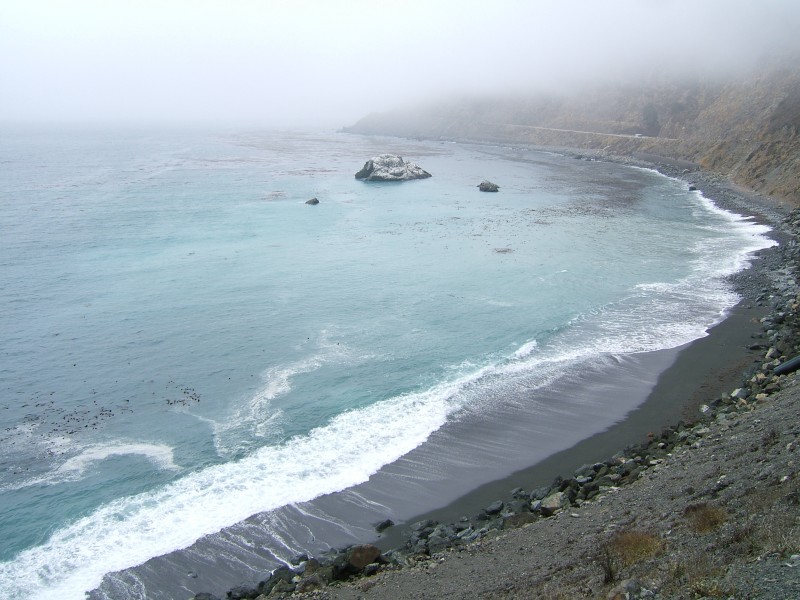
[(747, 128)]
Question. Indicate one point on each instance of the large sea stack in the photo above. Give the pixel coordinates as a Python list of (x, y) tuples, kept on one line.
[(390, 167)]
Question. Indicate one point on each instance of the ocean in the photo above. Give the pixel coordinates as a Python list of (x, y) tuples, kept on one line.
[(197, 365)]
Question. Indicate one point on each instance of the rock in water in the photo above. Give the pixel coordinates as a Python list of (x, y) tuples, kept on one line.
[(488, 186), (384, 525), (312, 202), (390, 167)]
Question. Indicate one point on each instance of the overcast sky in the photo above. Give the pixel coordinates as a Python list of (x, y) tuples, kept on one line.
[(317, 62)]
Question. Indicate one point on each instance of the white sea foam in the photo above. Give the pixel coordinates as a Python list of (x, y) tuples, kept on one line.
[(525, 349), (75, 467), (131, 530), (256, 419), (160, 455)]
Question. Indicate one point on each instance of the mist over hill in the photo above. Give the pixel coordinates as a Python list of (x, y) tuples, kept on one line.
[(744, 126)]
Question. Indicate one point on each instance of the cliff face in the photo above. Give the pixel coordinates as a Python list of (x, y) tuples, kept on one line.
[(746, 128)]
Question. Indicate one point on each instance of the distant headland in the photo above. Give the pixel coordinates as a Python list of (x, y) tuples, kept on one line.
[(746, 128)]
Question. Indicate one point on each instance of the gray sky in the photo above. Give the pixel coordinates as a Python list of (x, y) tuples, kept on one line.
[(315, 62)]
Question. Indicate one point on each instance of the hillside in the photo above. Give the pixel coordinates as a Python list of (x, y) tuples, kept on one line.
[(746, 128)]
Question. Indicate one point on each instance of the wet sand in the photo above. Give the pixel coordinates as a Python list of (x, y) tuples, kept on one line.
[(700, 372)]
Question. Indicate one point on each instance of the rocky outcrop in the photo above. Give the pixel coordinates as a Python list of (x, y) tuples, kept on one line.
[(312, 202), (488, 186), (390, 167)]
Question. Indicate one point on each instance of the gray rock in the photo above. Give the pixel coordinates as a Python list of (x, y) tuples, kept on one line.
[(539, 493), (437, 543), (311, 583), (494, 508), (519, 493), (518, 506), (422, 525), (519, 520), (312, 202), (554, 503), (241, 592), (488, 186), (390, 167), (384, 525), (283, 587), (360, 556)]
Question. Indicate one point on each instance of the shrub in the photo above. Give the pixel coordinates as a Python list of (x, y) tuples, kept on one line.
[(704, 518), (634, 546), (624, 549)]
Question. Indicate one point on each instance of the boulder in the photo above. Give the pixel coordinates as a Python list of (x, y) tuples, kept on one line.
[(361, 556), (283, 587), (554, 503), (539, 493), (488, 186), (312, 202), (494, 508), (384, 525), (311, 583), (519, 520), (437, 543), (390, 167), (242, 592)]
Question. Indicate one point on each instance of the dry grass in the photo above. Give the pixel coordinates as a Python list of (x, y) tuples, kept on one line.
[(634, 546), (625, 549), (700, 576), (770, 438), (704, 518), (774, 527), (779, 534)]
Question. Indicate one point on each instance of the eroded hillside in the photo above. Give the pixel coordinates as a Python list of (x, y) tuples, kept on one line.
[(747, 128)]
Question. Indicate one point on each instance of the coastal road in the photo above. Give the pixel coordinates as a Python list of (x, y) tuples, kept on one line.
[(637, 136)]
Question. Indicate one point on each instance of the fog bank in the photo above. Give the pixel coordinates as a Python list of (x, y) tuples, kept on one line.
[(311, 62)]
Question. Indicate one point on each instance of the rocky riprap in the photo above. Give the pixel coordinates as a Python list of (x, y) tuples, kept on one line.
[(719, 417), (390, 167)]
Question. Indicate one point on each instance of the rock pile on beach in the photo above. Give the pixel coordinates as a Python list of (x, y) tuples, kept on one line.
[(735, 463)]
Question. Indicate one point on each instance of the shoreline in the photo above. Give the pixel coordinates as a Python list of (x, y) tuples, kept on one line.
[(699, 372), (715, 364), (704, 369)]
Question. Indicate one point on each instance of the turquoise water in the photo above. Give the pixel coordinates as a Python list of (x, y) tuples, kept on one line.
[(180, 331)]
